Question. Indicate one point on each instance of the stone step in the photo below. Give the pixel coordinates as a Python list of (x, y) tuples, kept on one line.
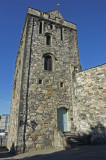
[(69, 134), (73, 140), (75, 143)]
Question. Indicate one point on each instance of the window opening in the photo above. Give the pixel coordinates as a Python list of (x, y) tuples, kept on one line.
[(75, 69), (61, 34), (48, 63), (40, 28), (48, 38), (20, 123), (40, 81), (51, 26), (61, 84)]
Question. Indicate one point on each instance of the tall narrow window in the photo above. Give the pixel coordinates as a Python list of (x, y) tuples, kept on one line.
[(51, 26), (40, 28), (48, 63), (48, 40), (61, 34), (61, 84)]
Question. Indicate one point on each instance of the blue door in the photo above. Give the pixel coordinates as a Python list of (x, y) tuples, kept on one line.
[(62, 119)]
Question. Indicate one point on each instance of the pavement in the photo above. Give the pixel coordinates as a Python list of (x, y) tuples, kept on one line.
[(90, 152)]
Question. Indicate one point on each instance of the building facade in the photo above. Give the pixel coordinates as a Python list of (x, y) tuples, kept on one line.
[(4, 123), (47, 73)]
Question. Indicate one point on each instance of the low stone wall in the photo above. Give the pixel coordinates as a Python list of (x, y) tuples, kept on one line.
[(89, 103), (59, 140)]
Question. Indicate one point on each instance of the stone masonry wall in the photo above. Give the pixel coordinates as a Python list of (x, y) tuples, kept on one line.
[(37, 93), (33, 117), (45, 98), (90, 102), (16, 93), (40, 101)]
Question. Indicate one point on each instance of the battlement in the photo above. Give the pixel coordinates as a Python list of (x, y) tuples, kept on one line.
[(52, 16)]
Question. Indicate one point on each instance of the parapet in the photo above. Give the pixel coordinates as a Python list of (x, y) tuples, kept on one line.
[(52, 16)]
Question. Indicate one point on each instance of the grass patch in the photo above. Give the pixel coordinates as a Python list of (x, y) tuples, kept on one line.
[(3, 146)]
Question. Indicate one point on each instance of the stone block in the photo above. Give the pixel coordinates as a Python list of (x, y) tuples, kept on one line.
[(39, 146)]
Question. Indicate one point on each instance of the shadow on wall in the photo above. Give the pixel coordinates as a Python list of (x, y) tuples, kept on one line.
[(12, 149), (5, 153), (32, 125), (97, 135)]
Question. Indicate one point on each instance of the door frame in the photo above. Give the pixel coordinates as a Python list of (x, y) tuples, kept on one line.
[(60, 119)]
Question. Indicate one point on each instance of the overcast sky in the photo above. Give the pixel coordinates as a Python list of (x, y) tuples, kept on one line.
[(89, 15)]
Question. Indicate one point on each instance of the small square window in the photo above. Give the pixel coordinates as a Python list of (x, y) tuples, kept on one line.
[(61, 84), (40, 81), (75, 69)]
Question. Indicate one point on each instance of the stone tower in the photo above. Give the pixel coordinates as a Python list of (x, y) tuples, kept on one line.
[(42, 90)]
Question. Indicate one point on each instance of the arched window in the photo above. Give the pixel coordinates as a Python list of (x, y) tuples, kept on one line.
[(48, 40), (48, 63)]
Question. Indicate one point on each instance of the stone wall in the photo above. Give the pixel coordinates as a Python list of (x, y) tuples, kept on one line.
[(33, 117), (39, 93), (14, 121), (44, 99), (89, 102)]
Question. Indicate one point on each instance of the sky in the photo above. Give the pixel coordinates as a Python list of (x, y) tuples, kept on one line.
[(89, 15)]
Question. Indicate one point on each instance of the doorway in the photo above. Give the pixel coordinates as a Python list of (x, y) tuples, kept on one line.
[(62, 119)]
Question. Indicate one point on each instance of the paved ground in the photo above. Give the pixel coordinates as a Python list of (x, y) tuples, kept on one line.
[(81, 153)]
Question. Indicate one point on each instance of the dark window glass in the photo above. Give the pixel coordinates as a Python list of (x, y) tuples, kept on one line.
[(48, 40), (40, 28), (48, 63)]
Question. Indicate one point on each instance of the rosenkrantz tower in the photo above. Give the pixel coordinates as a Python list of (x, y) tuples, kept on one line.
[(42, 91)]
